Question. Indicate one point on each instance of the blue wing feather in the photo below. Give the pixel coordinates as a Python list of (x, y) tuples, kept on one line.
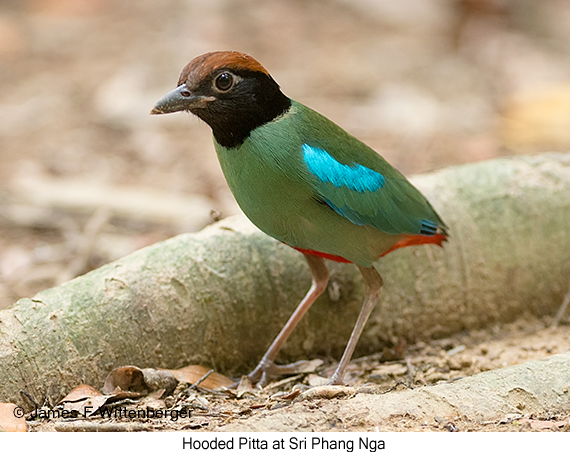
[(365, 196), (328, 169)]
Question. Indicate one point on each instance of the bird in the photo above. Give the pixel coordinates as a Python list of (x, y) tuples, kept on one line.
[(304, 181)]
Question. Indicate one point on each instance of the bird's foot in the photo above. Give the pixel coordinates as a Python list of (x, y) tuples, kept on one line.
[(267, 370), (335, 380)]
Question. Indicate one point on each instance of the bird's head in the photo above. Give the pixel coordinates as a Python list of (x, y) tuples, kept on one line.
[(230, 91)]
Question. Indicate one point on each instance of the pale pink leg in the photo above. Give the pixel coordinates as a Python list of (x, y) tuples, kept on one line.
[(374, 284), (266, 367)]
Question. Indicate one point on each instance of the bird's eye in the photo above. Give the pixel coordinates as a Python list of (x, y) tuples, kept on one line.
[(224, 81)]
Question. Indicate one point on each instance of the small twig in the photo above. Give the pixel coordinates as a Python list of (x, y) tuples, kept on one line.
[(398, 383), (201, 379), (452, 380), (30, 398), (561, 310)]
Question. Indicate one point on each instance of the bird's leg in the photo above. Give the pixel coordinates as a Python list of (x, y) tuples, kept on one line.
[(266, 366), (374, 284)]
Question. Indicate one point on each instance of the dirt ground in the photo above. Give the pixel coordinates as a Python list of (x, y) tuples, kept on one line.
[(424, 364), (87, 176)]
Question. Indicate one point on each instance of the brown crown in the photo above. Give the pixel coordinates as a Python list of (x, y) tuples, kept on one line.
[(205, 64)]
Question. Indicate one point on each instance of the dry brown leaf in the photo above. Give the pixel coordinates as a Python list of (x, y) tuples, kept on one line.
[(81, 392), (292, 395), (82, 397), (120, 395), (191, 374), (12, 418), (125, 379), (86, 400)]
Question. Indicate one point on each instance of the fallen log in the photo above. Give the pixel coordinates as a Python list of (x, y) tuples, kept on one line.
[(218, 297)]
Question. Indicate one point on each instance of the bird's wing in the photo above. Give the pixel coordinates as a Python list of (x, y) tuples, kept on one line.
[(374, 194)]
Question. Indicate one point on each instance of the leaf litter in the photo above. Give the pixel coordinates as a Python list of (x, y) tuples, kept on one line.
[(214, 400)]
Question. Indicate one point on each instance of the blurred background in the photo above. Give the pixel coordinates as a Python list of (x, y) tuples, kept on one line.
[(87, 176)]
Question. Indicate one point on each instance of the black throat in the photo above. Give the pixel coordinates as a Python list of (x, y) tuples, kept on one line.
[(255, 100)]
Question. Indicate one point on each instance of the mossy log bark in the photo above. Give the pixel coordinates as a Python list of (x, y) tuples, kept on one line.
[(218, 297)]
